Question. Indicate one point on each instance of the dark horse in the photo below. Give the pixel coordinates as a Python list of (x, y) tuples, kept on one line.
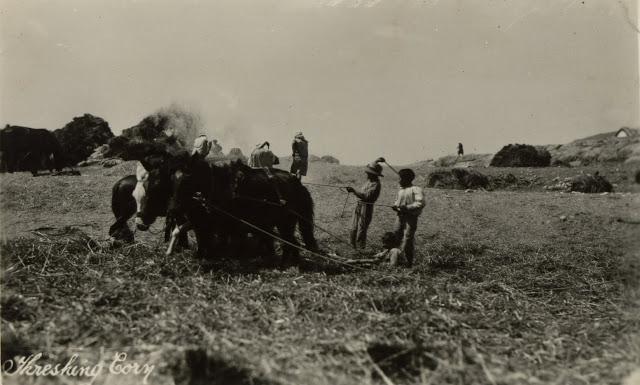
[(256, 202), (124, 206), (182, 187), (24, 147), (242, 200)]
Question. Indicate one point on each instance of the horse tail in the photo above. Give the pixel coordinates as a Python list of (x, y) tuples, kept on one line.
[(115, 207), (305, 208)]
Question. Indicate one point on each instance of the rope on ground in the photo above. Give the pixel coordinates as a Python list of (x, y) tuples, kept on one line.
[(286, 242)]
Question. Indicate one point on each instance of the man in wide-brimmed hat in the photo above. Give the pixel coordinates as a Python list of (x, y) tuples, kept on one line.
[(300, 147), (363, 214)]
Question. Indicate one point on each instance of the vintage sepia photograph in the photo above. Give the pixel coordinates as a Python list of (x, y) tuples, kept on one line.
[(319, 192)]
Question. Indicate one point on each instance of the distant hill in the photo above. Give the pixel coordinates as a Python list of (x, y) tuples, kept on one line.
[(599, 148), (606, 135), (605, 147)]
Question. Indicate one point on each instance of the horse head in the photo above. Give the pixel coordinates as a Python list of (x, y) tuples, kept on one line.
[(236, 172), (153, 190)]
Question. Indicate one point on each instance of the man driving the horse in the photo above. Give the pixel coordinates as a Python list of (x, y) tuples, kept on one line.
[(200, 167), (263, 158)]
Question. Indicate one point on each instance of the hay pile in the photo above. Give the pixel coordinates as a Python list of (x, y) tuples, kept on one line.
[(521, 155), (80, 137), (458, 178), (469, 160), (503, 181), (170, 129), (330, 159), (583, 183), (591, 184)]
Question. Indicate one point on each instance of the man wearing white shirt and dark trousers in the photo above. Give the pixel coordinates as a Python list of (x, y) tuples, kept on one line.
[(409, 203)]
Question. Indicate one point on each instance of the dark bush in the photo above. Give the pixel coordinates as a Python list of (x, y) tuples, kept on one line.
[(521, 155)]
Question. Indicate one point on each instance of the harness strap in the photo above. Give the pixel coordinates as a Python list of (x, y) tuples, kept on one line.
[(286, 242), (301, 218)]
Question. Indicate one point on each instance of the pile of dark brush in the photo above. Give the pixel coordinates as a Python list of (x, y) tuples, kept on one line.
[(521, 155), (595, 183), (458, 178)]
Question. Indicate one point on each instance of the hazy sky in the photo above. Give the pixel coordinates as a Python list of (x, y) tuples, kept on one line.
[(404, 79)]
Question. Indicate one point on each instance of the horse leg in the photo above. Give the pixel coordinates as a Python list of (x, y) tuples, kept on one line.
[(35, 163), (272, 258), (238, 243), (120, 231), (287, 228), (11, 161), (124, 207), (183, 239), (177, 232), (181, 236), (204, 244)]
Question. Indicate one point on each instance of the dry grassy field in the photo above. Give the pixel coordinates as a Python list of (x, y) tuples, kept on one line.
[(510, 287)]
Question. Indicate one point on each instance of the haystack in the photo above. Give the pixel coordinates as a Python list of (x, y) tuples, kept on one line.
[(330, 159), (591, 184), (521, 155), (80, 137)]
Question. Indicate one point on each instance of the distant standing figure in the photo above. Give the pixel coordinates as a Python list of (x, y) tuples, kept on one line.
[(300, 147), (363, 212), (460, 149), (409, 203)]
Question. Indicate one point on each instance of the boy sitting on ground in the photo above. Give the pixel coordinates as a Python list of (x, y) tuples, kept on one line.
[(390, 255)]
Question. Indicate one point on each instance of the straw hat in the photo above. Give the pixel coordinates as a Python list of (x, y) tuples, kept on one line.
[(374, 169), (201, 145)]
